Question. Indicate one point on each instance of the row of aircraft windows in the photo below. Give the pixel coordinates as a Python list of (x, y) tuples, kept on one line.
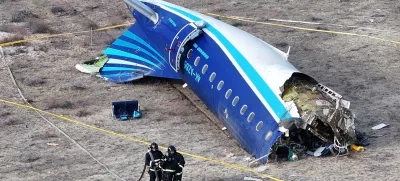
[(228, 94)]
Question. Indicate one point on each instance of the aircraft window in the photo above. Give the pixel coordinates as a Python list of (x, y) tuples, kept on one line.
[(212, 77), (204, 70), (250, 117), (243, 110), (220, 84), (228, 93), (189, 54), (259, 126), (268, 135), (196, 62), (235, 101)]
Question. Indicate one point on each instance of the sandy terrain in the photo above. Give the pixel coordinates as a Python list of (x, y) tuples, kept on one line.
[(362, 69)]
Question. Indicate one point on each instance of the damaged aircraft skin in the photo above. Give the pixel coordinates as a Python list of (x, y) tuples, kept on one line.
[(248, 84)]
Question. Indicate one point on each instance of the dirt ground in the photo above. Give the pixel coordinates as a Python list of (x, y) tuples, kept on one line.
[(363, 69)]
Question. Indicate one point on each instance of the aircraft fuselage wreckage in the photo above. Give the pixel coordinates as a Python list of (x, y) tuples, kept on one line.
[(248, 84)]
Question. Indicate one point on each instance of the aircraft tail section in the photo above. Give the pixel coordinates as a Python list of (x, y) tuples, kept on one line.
[(132, 56)]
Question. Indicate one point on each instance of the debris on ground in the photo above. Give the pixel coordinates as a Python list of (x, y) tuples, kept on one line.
[(362, 139), (380, 126), (246, 158), (261, 168), (126, 110), (321, 121), (92, 66), (322, 151), (251, 178), (356, 148)]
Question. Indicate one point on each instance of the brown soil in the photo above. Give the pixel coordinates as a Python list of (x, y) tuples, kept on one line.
[(364, 70)]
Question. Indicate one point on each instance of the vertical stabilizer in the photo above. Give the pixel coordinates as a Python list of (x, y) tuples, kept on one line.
[(143, 9)]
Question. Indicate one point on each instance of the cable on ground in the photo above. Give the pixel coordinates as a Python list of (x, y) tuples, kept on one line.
[(62, 34), (302, 28), (141, 141), (250, 20), (58, 129)]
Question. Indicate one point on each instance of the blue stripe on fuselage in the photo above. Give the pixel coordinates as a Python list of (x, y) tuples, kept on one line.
[(125, 42), (266, 92), (118, 69), (215, 99), (133, 36), (115, 52)]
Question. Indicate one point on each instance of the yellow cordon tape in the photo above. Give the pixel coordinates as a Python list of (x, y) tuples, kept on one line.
[(211, 14), (302, 28), (139, 140), (62, 34)]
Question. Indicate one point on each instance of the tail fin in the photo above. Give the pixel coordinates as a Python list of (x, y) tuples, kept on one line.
[(143, 9), (132, 56)]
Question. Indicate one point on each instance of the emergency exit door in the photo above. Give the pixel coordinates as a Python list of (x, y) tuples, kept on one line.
[(177, 47)]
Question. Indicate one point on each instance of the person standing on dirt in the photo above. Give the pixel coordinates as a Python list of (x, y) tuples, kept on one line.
[(168, 167), (152, 160), (178, 162)]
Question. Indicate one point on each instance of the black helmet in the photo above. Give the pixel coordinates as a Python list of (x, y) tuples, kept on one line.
[(154, 145), (171, 149)]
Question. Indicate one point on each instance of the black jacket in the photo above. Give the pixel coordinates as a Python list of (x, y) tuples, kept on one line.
[(178, 161), (157, 155), (168, 163)]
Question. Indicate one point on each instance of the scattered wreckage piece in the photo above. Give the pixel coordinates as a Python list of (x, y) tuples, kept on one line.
[(324, 123), (356, 148), (380, 126), (252, 179), (126, 110), (261, 168)]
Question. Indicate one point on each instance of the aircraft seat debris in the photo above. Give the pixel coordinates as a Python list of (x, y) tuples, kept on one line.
[(126, 110)]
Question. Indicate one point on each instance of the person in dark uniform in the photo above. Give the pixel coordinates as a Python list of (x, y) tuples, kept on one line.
[(168, 167), (178, 162), (153, 158)]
